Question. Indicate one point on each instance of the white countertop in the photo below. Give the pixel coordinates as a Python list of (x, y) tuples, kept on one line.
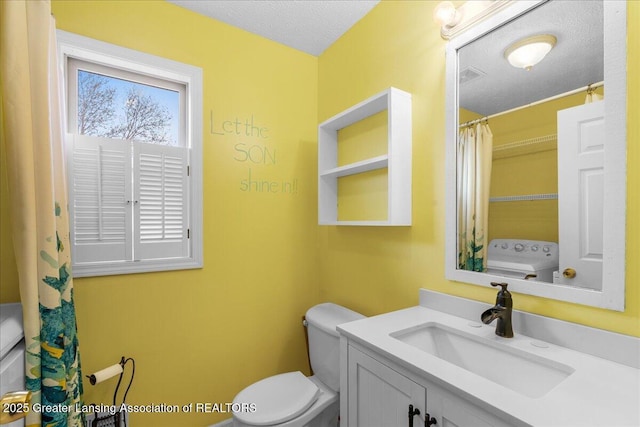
[(598, 393)]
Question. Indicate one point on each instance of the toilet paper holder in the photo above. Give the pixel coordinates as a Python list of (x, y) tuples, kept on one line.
[(113, 370), (109, 418)]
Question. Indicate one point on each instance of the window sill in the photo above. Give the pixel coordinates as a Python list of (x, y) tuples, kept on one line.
[(132, 267)]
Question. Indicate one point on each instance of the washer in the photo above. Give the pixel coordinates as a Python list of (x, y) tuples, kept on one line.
[(11, 352), (523, 259)]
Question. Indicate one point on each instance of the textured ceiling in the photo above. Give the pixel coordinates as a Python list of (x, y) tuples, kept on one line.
[(307, 25), (313, 25), (576, 61)]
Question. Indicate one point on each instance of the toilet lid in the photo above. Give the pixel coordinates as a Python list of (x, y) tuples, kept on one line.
[(276, 399)]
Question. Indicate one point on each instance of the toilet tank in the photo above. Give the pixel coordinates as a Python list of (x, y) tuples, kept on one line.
[(324, 340)]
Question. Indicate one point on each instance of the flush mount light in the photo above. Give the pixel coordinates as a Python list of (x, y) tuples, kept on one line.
[(528, 52)]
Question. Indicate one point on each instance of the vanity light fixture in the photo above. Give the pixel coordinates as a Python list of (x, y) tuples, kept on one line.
[(528, 52), (446, 14), (454, 20)]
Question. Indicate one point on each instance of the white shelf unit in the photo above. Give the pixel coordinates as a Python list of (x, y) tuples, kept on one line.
[(397, 160)]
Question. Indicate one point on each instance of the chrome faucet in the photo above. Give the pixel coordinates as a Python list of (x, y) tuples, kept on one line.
[(501, 311)]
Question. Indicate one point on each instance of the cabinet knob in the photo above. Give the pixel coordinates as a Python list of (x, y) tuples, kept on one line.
[(569, 273), (412, 413), (429, 420)]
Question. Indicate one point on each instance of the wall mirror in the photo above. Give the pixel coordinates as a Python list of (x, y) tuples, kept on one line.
[(536, 155)]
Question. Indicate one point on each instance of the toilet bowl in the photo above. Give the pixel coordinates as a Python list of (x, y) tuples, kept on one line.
[(292, 399)]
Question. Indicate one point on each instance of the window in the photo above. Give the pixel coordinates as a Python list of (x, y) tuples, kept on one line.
[(133, 159)]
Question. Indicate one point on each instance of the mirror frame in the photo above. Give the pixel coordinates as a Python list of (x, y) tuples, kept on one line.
[(612, 294)]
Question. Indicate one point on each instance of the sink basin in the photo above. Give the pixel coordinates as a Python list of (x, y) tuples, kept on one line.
[(523, 372)]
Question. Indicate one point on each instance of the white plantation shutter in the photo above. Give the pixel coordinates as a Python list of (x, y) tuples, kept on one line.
[(161, 192), (128, 201), (99, 191)]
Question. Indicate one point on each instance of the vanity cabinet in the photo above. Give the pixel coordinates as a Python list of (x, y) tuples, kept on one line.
[(380, 396), (379, 392)]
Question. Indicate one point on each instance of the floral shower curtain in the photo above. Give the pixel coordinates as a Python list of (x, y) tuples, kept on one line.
[(475, 145), (32, 130)]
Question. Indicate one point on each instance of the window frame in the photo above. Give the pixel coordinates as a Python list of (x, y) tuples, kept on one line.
[(74, 64), (148, 67)]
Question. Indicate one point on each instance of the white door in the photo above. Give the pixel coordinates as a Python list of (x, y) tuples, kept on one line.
[(581, 144)]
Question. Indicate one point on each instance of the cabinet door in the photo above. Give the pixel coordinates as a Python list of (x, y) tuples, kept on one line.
[(457, 413), (380, 396)]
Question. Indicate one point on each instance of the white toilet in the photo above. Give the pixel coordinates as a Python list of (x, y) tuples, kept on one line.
[(292, 399)]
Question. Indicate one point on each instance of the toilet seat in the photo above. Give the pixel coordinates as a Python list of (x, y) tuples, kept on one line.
[(277, 399)]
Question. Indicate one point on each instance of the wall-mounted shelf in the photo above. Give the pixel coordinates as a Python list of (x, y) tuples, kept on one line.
[(397, 160), (367, 165)]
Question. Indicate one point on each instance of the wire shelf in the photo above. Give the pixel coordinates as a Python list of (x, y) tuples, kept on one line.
[(524, 197)]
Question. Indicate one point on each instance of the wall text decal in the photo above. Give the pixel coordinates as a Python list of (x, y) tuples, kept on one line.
[(253, 146)]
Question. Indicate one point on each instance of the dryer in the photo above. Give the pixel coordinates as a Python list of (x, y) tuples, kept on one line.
[(523, 259), (12, 374)]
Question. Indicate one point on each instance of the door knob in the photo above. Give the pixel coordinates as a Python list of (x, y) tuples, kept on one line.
[(569, 273), (15, 405)]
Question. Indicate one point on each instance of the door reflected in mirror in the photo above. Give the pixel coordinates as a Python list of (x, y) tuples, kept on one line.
[(533, 153)]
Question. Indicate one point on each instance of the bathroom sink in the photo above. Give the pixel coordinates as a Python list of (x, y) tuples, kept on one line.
[(521, 371)]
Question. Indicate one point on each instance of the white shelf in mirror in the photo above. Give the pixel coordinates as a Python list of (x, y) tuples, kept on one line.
[(524, 197), (525, 142)]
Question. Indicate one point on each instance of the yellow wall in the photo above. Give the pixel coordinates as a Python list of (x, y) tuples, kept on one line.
[(203, 335), (377, 269), (363, 197), (534, 166), (531, 169)]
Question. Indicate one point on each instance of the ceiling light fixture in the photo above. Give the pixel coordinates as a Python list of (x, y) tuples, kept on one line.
[(528, 52)]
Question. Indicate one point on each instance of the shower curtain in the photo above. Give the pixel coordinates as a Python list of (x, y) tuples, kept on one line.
[(474, 156), (32, 131)]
